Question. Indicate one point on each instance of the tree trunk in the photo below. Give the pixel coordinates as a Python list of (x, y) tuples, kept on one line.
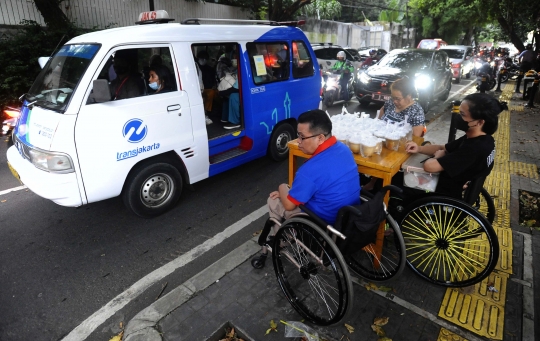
[(54, 18), (513, 37), (468, 36)]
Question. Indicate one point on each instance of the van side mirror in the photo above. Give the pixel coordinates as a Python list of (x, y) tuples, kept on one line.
[(42, 61), (101, 92)]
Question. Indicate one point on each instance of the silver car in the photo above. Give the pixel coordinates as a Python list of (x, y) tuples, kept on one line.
[(462, 60)]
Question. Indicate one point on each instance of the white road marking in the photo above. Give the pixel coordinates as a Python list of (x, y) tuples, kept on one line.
[(14, 189), (82, 331)]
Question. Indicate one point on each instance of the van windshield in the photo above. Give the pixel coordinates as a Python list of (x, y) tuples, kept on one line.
[(54, 85)]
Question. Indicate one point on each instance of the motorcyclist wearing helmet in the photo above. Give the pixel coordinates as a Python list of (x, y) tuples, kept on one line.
[(345, 68), (372, 59), (526, 59)]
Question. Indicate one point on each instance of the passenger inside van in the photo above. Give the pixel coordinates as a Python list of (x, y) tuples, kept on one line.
[(127, 84), (160, 79)]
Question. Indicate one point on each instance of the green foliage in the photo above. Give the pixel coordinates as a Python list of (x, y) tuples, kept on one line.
[(19, 55), (324, 9), (392, 15)]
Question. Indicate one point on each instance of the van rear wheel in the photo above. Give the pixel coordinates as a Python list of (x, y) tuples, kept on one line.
[(152, 189), (278, 148)]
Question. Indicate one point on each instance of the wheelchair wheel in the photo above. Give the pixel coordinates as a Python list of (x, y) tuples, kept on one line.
[(484, 204), (391, 262), (448, 242), (311, 272)]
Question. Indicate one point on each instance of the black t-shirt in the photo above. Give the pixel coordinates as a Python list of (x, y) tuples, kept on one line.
[(465, 160)]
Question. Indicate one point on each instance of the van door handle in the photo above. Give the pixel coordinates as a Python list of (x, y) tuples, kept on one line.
[(174, 107)]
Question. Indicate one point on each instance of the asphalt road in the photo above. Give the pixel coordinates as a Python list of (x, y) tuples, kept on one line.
[(59, 265)]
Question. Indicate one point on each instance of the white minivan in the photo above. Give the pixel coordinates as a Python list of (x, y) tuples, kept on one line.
[(92, 128)]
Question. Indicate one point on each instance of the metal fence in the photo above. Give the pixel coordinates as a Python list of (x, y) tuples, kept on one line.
[(115, 13)]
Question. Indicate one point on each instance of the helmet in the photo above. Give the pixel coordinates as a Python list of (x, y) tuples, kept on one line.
[(341, 54), (372, 53)]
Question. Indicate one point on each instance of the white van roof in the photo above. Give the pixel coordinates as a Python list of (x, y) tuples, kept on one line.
[(179, 32)]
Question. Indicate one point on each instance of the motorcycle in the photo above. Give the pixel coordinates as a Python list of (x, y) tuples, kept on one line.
[(8, 125), (332, 91), (508, 70), (485, 80)]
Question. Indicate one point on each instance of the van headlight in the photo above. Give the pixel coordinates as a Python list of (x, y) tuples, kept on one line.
[(51, 162), (364, 78), (422, 81)]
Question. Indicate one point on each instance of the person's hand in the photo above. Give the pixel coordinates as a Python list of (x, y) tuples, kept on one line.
[(412, 147), (439, 153), (274, 195)]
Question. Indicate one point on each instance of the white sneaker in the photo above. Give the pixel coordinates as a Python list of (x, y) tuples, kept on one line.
[(208, 120)]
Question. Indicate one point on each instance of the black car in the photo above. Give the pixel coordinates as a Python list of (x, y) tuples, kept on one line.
[(430, 70)]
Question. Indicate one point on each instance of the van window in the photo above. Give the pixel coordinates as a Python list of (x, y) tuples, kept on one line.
[(276, 60), (139, 72), (302, 63)]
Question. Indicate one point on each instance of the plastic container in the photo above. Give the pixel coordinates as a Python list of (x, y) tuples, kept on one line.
[(416, 177), (392, 144), (367, 151), (354, 144)]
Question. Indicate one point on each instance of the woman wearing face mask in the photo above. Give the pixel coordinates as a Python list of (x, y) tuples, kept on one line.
[(469, 157), (160, 79)]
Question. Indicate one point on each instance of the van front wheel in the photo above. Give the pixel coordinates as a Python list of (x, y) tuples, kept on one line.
[(278, 148), (152, 189)]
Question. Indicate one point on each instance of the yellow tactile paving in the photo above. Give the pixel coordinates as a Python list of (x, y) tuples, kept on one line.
[(446, 335), (528, 170), (474, 313)]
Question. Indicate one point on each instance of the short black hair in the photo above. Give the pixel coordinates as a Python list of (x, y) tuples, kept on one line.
[(484, 107), (203, 54), (318, 120), (164, 76)]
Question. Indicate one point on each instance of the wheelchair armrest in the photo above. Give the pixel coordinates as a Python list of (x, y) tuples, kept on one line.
[(313, 216)]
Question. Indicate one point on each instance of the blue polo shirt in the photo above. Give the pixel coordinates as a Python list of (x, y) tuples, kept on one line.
[(327, 181)]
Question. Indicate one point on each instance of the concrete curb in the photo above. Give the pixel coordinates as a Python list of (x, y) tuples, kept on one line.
[(142, 326)]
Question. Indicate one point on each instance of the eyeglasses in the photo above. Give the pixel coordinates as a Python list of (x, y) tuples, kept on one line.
[(302, 138), (397, 99)]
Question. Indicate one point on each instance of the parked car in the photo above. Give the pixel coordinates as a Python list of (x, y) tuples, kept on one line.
[(462, 60), (430, 70), (431, 44), (327, 55), (364, 52)]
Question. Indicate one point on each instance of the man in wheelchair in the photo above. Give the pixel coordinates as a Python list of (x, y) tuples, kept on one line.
[(326, 182)]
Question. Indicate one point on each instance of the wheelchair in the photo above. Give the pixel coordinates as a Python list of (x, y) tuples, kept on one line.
[(444, 240)]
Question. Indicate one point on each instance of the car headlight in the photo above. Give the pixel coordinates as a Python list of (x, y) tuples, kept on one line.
[(422, 81), (51, 162), (364, 78)]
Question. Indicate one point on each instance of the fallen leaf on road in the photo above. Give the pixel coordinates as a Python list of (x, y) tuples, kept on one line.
[(349, 328), (273, 326), (3, 201), (384, 338), (380, 321), (371, 286), (378, 330), (117, 337)]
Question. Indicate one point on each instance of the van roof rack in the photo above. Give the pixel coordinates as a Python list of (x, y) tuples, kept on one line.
[(197, 21)]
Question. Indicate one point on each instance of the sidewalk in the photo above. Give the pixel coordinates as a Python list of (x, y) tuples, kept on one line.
[(231, 290)]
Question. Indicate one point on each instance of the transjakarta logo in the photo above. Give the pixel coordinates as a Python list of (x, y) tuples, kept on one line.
[(135, 131)]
